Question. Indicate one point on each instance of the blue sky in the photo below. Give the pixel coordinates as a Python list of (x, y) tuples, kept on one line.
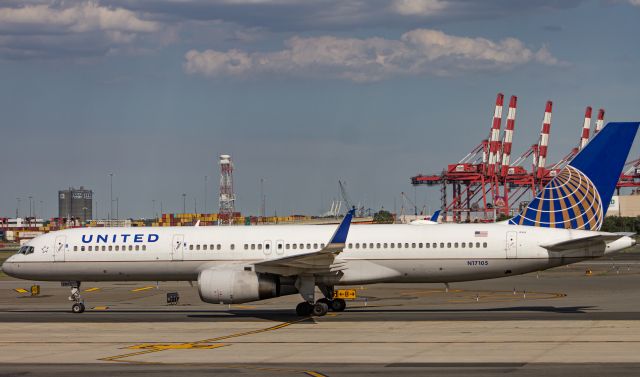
[(299, 93)]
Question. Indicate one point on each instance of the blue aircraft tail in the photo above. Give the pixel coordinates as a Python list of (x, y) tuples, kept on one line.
[(578, 197), (435, 216)]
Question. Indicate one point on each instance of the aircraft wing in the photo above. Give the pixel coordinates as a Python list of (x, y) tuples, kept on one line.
[(584, 242), (316, 262)]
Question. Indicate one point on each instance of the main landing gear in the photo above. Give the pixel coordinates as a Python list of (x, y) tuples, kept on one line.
[(321, 307), (78, 303), (306, 287)]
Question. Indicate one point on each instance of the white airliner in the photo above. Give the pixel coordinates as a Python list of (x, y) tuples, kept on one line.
[(239, 264)]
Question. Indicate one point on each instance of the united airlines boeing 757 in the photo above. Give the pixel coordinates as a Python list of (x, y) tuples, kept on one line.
[(238, 264)]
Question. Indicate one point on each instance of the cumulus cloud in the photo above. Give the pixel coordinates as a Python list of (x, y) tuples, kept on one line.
[(81, 17), (417, 52), (76, 28), (418, 7)]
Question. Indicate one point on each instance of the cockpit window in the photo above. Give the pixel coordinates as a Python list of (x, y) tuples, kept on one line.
[(26, 250)]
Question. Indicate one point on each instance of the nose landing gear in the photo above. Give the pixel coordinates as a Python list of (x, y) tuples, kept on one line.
[(78, 302)]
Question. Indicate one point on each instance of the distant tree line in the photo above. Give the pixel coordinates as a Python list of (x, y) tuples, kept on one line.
[(621, 224)]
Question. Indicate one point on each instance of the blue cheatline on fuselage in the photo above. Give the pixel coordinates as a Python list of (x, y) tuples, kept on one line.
[(578, 197)]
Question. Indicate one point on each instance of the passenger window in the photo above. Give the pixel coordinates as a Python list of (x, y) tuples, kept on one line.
[(81, 248), (266, 246), (364, 245), (259, 246), (414, 245), (455, 245), (385, 245), (315, 245), (478, 245), (350, 246), (144, 247), (246, 246), (198, 247), (233, 246), (137, 247), (448, 245), (253, 246), (308, 246), (190, 247), (218, 247), (462, 244), (378, 245), (204, 247), (371, 246), (442, 245), (279, 246), (406, 245), (426, 245), (117, 248), (301, 246), (89, 248), (286, 246), (110, 248), (399, 245), (75, 248), (470, 245), (295, 246), (484, 245), (322, 246), (357, 245), (104, 248), (392, 245)]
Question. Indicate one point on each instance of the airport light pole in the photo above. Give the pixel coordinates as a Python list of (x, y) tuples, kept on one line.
[(110, 195), (205, 194), (17, 207), (153, 202), (30, 201)]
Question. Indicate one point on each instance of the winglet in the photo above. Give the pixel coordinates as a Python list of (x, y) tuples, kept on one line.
[(340, 236), (435, 216)]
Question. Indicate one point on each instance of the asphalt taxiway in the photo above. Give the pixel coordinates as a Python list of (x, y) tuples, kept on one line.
[(582, 319)]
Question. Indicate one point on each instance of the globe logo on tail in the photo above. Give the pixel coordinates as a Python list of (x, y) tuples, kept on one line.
[(569, 201)]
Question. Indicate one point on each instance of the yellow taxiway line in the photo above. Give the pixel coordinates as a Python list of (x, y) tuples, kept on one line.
[(142, 289)]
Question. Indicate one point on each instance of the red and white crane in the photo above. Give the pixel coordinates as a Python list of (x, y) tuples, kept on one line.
[(600, 121), (507, 140), (543, 144), (494, 136)]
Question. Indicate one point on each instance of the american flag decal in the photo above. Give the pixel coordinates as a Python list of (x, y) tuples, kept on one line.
[(482, 233)]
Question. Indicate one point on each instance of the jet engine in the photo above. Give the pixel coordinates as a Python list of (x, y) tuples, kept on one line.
[(227, 286)]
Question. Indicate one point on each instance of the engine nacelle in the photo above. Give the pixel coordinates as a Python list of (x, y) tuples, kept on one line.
[(226, 286)]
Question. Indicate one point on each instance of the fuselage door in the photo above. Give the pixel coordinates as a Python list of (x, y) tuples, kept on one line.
[(512, 244), (279, 247), (177, 247), (266, 248), (59, 248)]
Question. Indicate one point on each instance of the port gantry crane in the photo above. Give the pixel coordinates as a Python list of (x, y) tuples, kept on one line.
[(487, 183)]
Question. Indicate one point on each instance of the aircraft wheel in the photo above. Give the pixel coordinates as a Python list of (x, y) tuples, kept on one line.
[(338, 305), (325, 301), (303, 309), (77, 307), (320, 309)]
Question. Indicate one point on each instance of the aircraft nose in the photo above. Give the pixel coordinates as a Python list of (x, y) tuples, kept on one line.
[(8, 267)]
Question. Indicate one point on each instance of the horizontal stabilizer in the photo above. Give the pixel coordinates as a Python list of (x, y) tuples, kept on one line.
[(585, 242)]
